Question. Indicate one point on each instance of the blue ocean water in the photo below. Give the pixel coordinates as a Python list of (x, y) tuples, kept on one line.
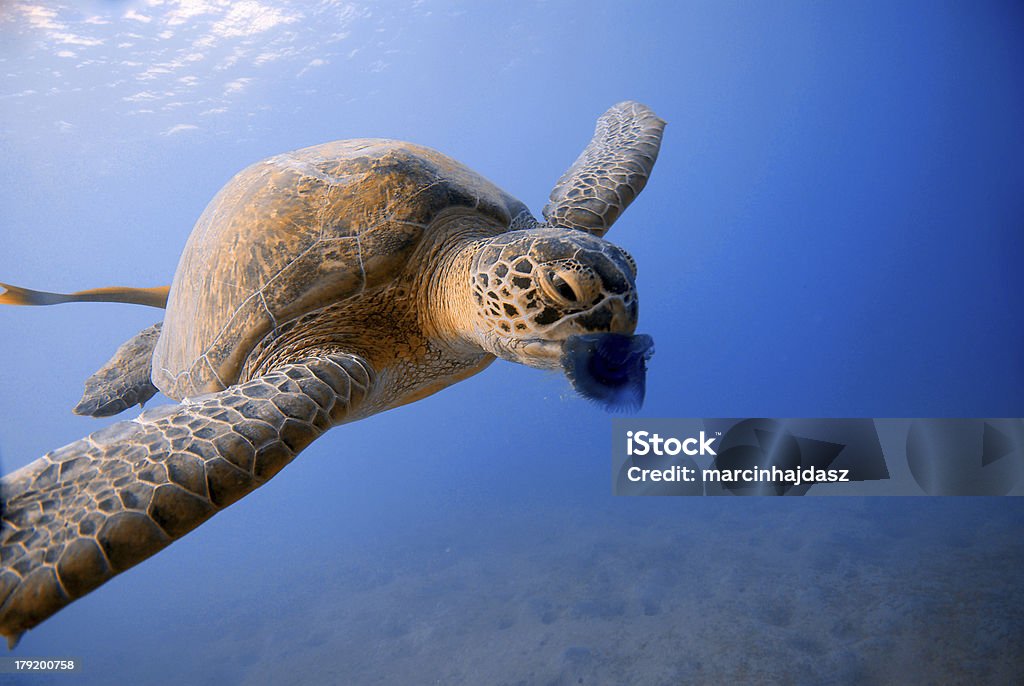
[(833, 229)]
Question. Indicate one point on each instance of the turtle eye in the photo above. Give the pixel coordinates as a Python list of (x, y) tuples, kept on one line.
[(564, 289), (571, 288)]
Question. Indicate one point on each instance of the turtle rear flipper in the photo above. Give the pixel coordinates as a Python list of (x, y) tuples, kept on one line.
[(151, 297), (609, 173), (124, 380)]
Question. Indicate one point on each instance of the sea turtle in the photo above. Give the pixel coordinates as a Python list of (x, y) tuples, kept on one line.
[(319, 287)]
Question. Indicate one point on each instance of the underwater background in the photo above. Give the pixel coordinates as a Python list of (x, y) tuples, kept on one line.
[(834, 228)]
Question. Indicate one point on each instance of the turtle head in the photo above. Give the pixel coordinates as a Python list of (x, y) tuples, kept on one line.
[(566, 300)]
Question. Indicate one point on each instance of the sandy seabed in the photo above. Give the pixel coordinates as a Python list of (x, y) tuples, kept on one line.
[(770, 593)]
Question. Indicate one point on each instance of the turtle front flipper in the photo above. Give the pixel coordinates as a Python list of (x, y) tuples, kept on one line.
[(80, 515), (124, 380), (609, 173)]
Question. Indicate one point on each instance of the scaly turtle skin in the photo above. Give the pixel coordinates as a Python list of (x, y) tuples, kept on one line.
[(320, 287)]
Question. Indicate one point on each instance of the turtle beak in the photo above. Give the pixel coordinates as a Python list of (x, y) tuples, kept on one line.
[(608, 368)]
